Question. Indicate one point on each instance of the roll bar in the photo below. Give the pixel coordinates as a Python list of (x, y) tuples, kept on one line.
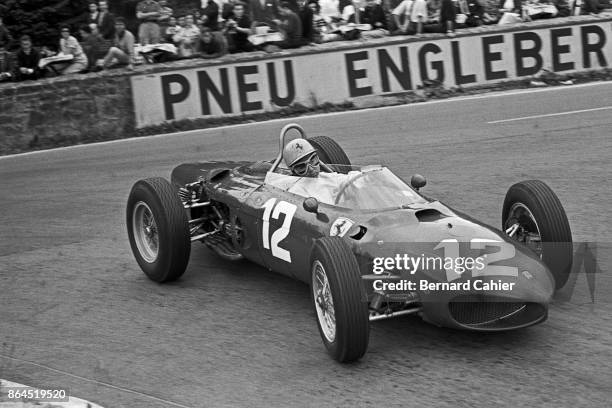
[(283, 133)]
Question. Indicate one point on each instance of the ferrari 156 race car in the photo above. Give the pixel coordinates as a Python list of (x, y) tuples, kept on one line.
[(370, 246)]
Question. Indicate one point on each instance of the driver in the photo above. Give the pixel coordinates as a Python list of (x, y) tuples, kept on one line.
[(303, 161), (302, 158)]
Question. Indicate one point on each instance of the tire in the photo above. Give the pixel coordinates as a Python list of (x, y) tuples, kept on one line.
[(550, 220), (351, 328), (163, 256), (330, 152)]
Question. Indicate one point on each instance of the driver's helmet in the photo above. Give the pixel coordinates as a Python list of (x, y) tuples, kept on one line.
[(302, 158), (297, 149)]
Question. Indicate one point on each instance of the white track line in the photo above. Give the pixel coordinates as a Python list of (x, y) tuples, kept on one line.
[(547, 115), (320, 115), (115, 387)]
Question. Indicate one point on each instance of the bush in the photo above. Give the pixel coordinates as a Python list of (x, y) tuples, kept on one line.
[(41, 19)]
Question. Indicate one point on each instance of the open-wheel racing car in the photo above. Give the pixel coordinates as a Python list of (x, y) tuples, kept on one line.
[(357, 245)]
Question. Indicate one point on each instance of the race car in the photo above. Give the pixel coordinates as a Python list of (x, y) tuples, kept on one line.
[(371, 246)]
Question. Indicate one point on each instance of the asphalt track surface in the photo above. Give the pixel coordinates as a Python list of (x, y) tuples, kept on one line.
[(76, 311)]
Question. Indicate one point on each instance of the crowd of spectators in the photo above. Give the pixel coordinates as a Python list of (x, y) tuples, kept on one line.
[(219, 27)]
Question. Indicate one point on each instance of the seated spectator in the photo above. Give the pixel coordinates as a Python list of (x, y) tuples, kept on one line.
[(106, 21), (122, 51), (264, 12), (402, 18), (322, 30), (170, 31), (290, 27), (237, 30), (186, 37), (210, 45), (210, 15), (148, 12), (5, 36), (93, 46), (27, 60), (70, 46), (374, 15)]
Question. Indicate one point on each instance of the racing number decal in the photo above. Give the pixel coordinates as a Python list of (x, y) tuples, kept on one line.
[(272, 242), (505, 251)]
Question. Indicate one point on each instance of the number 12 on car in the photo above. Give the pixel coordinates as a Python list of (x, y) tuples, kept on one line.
[(271, 209)]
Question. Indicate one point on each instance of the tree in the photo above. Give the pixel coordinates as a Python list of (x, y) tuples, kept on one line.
[(41, 19)]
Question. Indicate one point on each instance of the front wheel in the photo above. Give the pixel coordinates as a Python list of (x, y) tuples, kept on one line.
[(158, 229), (342, 313), (532, 214)]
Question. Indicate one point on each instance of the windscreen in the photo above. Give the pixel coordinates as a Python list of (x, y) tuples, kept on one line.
[(375, 188)]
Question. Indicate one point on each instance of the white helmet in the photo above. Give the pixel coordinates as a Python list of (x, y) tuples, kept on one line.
[(297, 149)]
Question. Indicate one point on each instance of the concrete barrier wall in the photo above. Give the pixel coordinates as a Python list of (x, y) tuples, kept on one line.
[(114, 104), (369, 69)]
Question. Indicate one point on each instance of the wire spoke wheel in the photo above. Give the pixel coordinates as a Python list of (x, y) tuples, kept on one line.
[(145, 232), (523, 227), (324, 302)]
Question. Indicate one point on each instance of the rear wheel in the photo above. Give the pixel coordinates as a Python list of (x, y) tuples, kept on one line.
[(158, 229), (330, 152), (342, 314), (533, 215)]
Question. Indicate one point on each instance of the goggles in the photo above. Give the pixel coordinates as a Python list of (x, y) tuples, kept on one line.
[(301, 169)]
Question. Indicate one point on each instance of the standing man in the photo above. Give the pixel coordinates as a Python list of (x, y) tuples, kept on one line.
[(122, 53), (106, 21), (148, 12)]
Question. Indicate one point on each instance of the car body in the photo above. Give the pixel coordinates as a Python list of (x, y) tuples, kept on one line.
[(250, 210)]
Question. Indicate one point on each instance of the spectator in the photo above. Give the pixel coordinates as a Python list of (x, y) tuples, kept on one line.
[(170, 31), (148, 12), (238, 29), (290, 27), (374, 15), (210, 15), (263, 12), (448, 15), (330, 10), (92, 43), (306, 17), (210, 45), (321, 28), (5, 36), (27, 60), (122, 52), (227, 10), (402, 17), (185, 38), (70, 46), (93, 15), (165, 13), (106, 21), (415, 16)]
